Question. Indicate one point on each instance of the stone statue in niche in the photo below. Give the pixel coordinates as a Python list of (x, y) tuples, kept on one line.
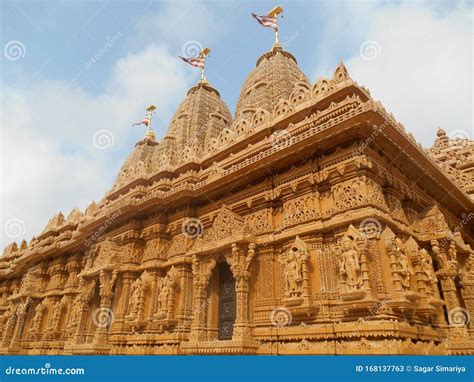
[(452, 255), (135, 299), (349, 266), (293, 264), (138, 295), (293, 275), (406, 272), (166, 286), (427, 266), (37, 318)]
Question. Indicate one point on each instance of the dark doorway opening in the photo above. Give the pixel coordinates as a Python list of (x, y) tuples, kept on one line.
[(227, 305)]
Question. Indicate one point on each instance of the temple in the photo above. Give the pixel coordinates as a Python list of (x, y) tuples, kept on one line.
[(310, 222)]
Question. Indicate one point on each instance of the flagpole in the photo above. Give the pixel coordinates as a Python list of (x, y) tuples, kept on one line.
[(149, 131), (203, 54), (274, 13)]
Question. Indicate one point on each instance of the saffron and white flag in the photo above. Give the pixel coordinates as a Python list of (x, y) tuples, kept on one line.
[(145, 121), (198, 62), (267, 21)]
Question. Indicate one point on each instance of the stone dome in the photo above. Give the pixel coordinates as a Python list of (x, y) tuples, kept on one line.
[(200, 117), (275, 77), (137, 164)]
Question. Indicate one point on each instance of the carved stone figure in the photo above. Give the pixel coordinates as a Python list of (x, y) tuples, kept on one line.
[(349, 266), (405, 268), (427, 267), (166, 286), (37, 319)]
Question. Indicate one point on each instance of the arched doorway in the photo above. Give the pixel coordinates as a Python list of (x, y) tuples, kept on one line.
[(227, 305)]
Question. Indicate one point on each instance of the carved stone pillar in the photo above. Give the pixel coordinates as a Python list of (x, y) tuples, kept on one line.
[(122, 308), (201, 275), (239, 262), (107, 280), (20, 322)]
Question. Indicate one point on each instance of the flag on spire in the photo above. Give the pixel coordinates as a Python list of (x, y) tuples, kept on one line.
[(145, 121), (270, 20), (266, 21), (150, 134), (198, 62)]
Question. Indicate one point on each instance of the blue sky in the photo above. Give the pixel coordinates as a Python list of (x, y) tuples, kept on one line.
[(55, 100)]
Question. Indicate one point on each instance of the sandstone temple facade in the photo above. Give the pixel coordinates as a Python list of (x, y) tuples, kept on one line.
[(310, 222)]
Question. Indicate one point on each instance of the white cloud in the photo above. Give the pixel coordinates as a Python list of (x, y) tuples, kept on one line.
[(423, 74), (49, 160)]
